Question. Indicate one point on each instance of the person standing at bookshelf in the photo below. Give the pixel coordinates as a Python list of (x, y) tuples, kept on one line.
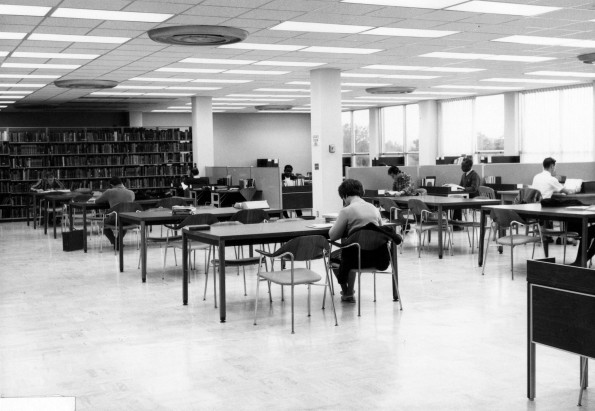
[(116, 194), (48, 182)]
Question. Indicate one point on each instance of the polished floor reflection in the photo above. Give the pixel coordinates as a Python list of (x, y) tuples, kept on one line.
[(72, 325)]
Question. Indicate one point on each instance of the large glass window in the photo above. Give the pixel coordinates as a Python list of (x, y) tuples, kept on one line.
[(361, 131), (456, 127), (489, 123), (356, 137), (400, 131), (557, 123), (347, 131)]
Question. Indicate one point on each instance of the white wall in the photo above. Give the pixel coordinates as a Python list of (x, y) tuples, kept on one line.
[(240, 139)]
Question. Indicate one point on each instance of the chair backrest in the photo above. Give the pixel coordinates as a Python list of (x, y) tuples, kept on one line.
[(254, 216), (487, 192), (417, 206), (198, 219), (368, 239), (127, 207), (170, 202), (305, 248), (528, 196), (504, 217), (421, 191)]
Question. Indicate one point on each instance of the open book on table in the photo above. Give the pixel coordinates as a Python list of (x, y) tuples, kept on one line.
[(454, 187)]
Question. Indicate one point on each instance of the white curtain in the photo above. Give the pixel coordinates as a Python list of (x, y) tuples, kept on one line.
[(557, 123), (456, 127)]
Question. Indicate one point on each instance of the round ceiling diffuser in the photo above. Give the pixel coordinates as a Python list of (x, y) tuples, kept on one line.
[(390, 90), (275, 107), (86, 83), (197, 35), (588, 58)]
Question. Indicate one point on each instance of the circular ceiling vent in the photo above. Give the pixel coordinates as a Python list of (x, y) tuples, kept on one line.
[(197, 35), (390, 90), (85, 84), (274, 107), (588, 58)]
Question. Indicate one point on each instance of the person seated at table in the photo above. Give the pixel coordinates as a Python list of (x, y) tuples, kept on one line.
[(546, 181), (470, 181), (288, 174), (116, 194), (192, 177), (48, 182), (355, 215), (402, 183)]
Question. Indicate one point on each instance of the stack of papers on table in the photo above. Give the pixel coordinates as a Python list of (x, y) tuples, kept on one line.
[(182, 210), (320, 225)]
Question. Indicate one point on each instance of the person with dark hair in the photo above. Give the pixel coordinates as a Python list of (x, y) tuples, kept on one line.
[(288, 173), (115, 195), (47, 182), (470, 182), (402, 183), (355, 215), (546, 182)]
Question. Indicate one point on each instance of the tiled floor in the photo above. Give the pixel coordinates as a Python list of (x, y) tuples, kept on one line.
[(72, 325)]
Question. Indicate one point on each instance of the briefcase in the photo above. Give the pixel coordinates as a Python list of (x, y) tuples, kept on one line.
[(72, 240)]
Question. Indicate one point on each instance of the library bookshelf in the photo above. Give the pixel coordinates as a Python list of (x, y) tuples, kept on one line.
[(147, 160)]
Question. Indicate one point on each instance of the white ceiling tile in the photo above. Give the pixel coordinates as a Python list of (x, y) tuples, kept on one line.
[(292, 5), (205, 10)]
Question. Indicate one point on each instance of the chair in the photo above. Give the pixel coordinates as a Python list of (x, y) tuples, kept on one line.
[(395, 215), (486, 192), (503, 219), (426, 220), (370, 240), (128, 207), (466, 223), (250, 216), (303, 249), (239, 261), (75, 217), (170, 202)]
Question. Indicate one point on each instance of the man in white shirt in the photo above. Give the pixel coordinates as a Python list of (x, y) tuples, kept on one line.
[(545, 181)]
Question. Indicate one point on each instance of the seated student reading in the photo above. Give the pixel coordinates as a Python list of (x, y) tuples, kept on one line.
[(48, 182), (402, 184), (116, 194), (470, 182), (288, 174)]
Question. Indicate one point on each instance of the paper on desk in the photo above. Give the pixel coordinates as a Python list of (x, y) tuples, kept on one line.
[(322, 225), (580, 207)]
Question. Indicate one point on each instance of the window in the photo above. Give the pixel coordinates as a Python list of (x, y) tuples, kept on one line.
[(489, 123), (361, 131), (557, 123), (356, 137), (400, 131), (347, 131), (456, 127)]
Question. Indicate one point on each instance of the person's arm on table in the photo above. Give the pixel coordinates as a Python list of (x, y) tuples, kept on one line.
[(339, 228)]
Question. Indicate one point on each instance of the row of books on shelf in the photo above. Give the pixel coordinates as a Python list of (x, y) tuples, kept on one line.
[(132, 171), (44, 135), (115, 160), (94, 148)]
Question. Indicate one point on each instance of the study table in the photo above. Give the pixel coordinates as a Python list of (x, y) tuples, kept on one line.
[(584, 214), (250, 234), (158, 217), (55, 198), (441, 203), (508, 196)]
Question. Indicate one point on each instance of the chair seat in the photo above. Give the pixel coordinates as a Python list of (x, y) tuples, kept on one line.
[(238, 262), (283, 277), (518, 239), (462, 223)]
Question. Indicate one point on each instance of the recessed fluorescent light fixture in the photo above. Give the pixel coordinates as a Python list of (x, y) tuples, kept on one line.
[(473, 88), (189, 70), (289, 90), (257, 72), (288, 63), (561, 74), (365, 84), (410, 76), (340, 50), (398, 32), (170, 94), (194, 88), (547, 41), (110, 15), (216, 61), (494, 7), (360, 75), (12, 96), (320, 27), (421, 4), (3, 53), (179, 108), (22, 54), (111, 93), (224, 81), (16, 92), (14, 10), (170, 111), (256, 46), (42, 66), (23, 85), (158, 79), (30, 76), (141, 87), (299, 83), (77, 39), (422, 68), (6, 101), (4, 35), (528, 80), (270, 95), (496, 57)]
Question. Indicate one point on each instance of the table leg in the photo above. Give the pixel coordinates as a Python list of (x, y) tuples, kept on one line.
[(54, 217), (120, 243), (45, 220), (143, 251), (531, 371), (70, 217), (184, 269), (440, 222), (221, 266), (84, 228), (34, 212), (584, 241), (482, 234), (395, 281)]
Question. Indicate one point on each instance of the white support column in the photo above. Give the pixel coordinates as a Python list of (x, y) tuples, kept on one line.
[(375, 130), (428, 132), (511, 124), (135, 119), (203, 145), (327, 136)]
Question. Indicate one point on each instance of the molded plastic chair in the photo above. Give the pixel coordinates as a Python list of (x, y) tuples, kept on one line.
[(170, 202), (128, 207), (503, 219), (369, 240), (486, 192), (426, 220), (303, 249), (250, 216), (396, 216)]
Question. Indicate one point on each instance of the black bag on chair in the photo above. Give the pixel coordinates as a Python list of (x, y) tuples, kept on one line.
[(72, 240)]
